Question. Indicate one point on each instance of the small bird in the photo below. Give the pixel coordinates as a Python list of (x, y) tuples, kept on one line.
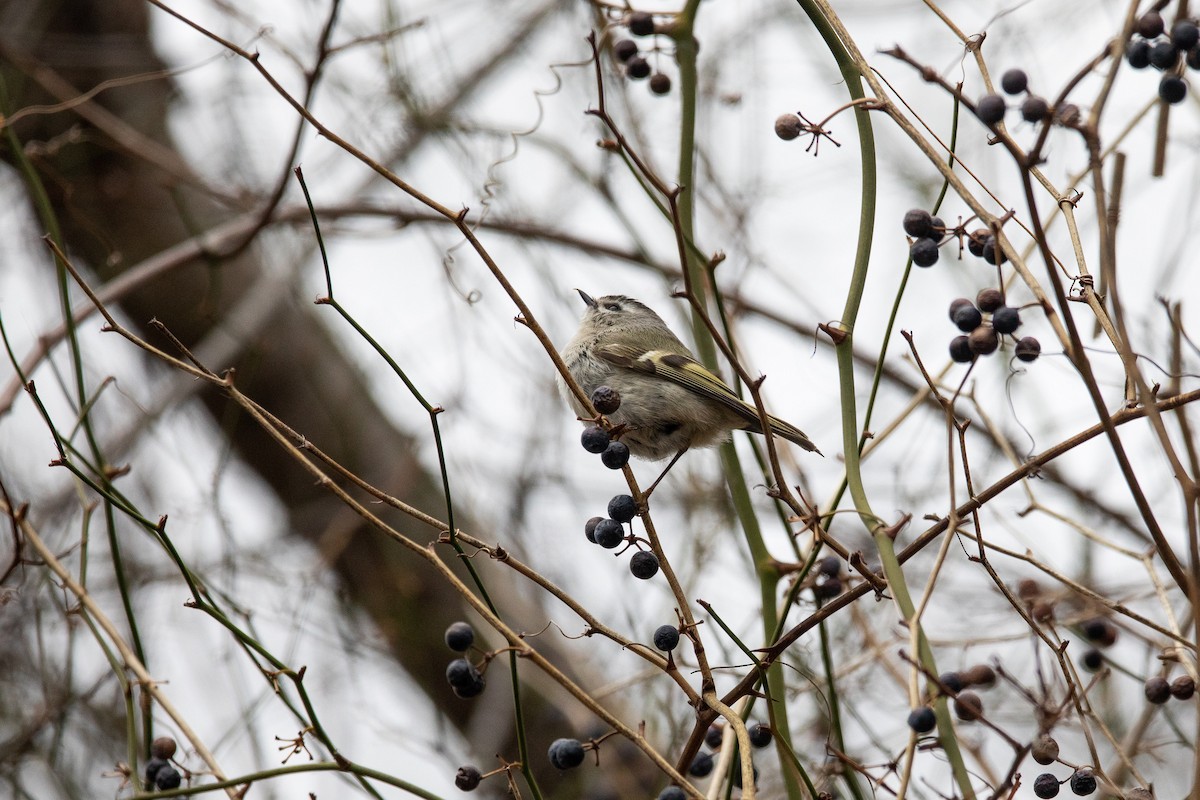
[(669, 401)]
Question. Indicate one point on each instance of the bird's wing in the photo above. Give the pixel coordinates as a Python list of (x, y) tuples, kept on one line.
[(693, 376)]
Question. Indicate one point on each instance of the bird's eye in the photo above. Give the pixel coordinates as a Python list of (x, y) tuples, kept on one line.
[(612, 306)]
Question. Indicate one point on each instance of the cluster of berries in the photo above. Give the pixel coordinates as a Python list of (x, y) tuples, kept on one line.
[(1159, 690), (160, 774), (609, 533), (1150, 48), (968, 705), (640, 23), (595, 439), (928, 233), (991, 107), (1082, 782), (760, 736), (464, 677), (981, 338)]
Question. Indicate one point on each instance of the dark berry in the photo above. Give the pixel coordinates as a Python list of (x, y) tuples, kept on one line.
[(918, 223), (1157, 690), (827, 589), (609, 534), (641, 23), (960, 350), (1045, 786), (1183, 687), (622, 508), (1083, 781), (1034, 109), (467, 778), (1172, 89), (589, 529), (702, 765), (643, 565), (939, 228), (980, 675), (924, 252), (983, 341), (566, 753), (1028, 348), (1014, 81), (990, 109), (472, 689), (660, 83), (461, 672), (967, 318), (594, 439), (1006, 320), (606, 399), (168, 778), (672, 793), (163, 747), (1163, 55), (1193, 58), (788, 127), (952, 681), (760, 735), (666, 638), (1044, 749), (992, 251), (1150, 24), (989, 300), (922, 720), (975, 241), (1028, 588), (737, 774), (1100, 631), (1092, 660), (637, 68), (957, 304), (713, 736), (153, 767), (1137, 54), (968, 706), (625, 49), (615, 456), (1185, 34), (460, 636), (830, 566)]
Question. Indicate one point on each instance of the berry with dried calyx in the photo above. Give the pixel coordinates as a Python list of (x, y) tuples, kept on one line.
[(622, 508), (637, 68), (922, 720), (1045, 786), (983, 341), (1028, 348), (1035, 109), (1157, 689), (1044, 749), (1014, 81), (1083, 781), (918, 223), (640, 23), (968, 706), (625, 49), (960, 350), (924, 252), (566, 753), (468, 777), (606, 399), (666, 638), (989, 300), (990, 109), (644, 565), (788, 126), (615, 456), (1006, 320)]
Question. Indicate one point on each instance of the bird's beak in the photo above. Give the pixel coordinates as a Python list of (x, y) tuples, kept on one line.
[(587, 298)]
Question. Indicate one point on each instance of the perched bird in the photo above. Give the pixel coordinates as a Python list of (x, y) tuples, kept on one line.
[(669, 401)]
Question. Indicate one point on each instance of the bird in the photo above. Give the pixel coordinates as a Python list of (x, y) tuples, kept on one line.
[(669, 402)]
